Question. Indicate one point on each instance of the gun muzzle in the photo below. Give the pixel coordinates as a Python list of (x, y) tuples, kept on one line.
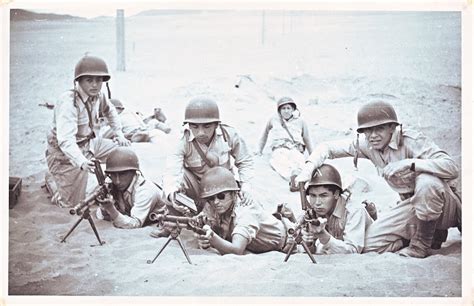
[(77, 210)]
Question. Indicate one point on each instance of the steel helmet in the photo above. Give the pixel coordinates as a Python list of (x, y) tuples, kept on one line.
[(201, 110), (325, 175), (121, 159), (117, 103), (285, 100), (217, 180), (91, 65), (375, 113)]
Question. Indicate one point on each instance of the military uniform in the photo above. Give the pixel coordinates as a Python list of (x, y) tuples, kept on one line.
[(287, 154), (186, 167), (428, 193), (72, 141), (347, 226), (135, 204), (262, 230)]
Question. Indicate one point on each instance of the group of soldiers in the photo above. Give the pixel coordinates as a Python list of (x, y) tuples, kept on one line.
[(213, 166)]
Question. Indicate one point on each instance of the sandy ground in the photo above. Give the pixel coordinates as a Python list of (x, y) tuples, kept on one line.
[(331, 64)]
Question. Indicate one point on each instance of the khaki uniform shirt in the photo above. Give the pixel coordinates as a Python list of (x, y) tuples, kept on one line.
[(415, 146), (353, 237), (280, 137), (186, 156), (262, 230), (71, 121), (137, 202)]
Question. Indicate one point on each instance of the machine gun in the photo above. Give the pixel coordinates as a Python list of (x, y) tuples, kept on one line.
[(83, 208), (176, 223), (308, 219)]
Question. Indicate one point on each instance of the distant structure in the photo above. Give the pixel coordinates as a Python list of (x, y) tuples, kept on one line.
[(120, 38)]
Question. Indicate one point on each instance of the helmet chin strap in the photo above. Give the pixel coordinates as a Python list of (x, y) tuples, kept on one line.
[(108, 90)]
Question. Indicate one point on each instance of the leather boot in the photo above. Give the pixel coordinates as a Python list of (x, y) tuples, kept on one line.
[(293, 185), (438, 238), (421, 242), (160, 232)]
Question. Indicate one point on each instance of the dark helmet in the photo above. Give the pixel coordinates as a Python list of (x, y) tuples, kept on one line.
[(375, 113), (285, 100), (325, 175), (91, 65), (201, 110), (117, 103), (217, 180), (121, 159)]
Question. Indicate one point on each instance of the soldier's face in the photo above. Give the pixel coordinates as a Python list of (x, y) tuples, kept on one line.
[(322, 200), (91, 84), (378, 137), (221, 202), (122, 179), (286, 111), (203, 131)]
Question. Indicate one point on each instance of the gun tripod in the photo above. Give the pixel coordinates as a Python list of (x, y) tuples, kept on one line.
[(173, 236), (299, 240), (85, 215)]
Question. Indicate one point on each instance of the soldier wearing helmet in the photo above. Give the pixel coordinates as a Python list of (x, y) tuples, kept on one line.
[(343, 223), (237, 222), (206, 143), (415, 167), (132, 197), (289, 139), (74, 139)]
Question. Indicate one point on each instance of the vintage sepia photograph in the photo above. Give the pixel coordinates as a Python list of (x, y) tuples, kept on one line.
[(280, 151)]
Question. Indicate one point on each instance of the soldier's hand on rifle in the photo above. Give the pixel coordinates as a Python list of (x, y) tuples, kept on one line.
[(306, 172), (106, 202), (308, 236), (318, 228), (88, 166), (204, 241)]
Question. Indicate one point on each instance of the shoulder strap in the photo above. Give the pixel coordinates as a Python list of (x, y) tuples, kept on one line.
[(201, 153), (283, 124), (225, 134)]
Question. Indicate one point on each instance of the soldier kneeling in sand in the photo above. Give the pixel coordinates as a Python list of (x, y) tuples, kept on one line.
[(415, 167), (137, 127), (342, 223), (237, 222), (132, 197)]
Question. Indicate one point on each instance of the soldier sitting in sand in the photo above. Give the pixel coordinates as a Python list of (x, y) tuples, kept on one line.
[(290, 138)]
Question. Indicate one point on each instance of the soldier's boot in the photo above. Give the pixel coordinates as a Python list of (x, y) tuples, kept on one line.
[(160, 232), (293, 185), (420, 244), (439, 237)]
